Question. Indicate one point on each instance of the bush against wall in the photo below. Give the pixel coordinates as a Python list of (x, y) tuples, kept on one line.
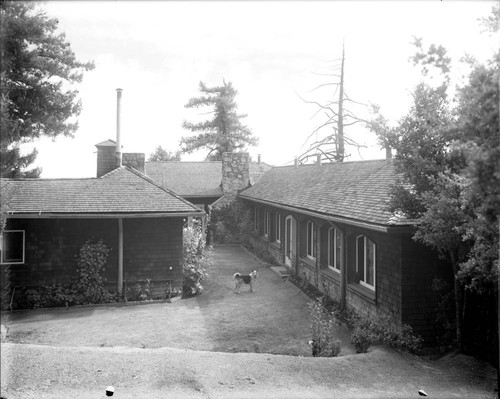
[(142, 291), (197, 258), (91, 262), (324, 325), (231, 223), (86, 288), (381, 329)]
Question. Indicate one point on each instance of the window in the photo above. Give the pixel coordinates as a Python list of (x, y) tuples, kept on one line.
[(311, 240), (278, 227), (12, 246), (365, 261), (266, 223), (334, 249), (256, 219)]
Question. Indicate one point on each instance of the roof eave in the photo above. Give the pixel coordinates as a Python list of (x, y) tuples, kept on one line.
[(97, 215), (385, 228)]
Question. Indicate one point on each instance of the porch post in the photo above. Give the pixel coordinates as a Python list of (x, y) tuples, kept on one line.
[(343, 271), (120, 257)]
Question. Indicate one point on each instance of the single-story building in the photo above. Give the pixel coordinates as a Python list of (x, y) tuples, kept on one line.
[(48, 221), (204, 183), (330, 224)]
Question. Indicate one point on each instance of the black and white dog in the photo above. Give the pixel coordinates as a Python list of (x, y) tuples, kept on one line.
[(315, 347), (247, 279)]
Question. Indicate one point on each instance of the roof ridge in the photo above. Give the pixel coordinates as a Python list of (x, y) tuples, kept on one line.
[(112, 171), (183, 162), (328, 164), (35, 179), (149, 180)]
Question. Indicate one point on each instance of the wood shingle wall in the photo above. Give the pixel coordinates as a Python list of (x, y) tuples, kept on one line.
[(151, 247)]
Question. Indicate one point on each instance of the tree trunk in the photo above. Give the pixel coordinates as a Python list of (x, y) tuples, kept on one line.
[(340, 120), (458, 301)]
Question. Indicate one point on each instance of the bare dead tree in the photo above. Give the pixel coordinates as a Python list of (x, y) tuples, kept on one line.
[(331, 148)]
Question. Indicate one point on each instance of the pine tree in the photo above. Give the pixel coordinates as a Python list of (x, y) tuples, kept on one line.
[(225, 132), (37, 73)]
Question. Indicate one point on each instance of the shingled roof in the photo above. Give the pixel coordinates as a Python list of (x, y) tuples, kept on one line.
[(355, 191), (196, 179), (120, 192)]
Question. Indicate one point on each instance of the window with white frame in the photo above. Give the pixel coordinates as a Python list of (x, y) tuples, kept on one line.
[(256, 219), (334, 249), (266, 223), (278, 227), (366, 261), (311, 240), (12, 247)]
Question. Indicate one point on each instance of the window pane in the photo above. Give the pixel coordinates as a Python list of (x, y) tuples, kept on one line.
[(314, 234), (360, 266), (309, 238), (338, 248), (278, 227), (13, 246), (288, 232), (370, 262), (331, 247)]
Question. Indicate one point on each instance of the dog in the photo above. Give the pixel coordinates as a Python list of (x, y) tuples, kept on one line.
[(247, 279), (315, 347)]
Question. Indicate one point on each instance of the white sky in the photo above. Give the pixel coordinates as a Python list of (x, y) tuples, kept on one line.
[(158, 51)]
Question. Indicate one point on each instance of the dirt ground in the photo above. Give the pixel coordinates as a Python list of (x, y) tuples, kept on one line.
[(184, 349)]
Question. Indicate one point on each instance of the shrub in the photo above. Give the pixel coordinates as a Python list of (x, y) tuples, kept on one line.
[(382, 329), (142, 291), (48, 296), (197, 259), (324, 325), (231, 223), (89, 286)]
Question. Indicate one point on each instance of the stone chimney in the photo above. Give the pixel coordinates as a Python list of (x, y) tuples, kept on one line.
[(235, 173), (106, 157)]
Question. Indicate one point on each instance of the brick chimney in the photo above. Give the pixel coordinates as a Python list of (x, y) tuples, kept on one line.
[(106, 157), (235, 173)]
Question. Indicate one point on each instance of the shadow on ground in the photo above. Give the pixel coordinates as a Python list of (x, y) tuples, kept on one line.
[(273, 319)]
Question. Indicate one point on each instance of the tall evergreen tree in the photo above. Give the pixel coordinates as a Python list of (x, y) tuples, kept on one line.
[(38, 71), (225, 131)]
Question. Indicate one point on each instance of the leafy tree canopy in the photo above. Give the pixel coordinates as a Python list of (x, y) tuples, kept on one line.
[(225, 131), (38, 73), (162, 155)]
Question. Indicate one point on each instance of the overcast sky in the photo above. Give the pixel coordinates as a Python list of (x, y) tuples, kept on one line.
[(272, 52)]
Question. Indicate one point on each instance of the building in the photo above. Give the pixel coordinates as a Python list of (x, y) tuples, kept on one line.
[(331, 225), (48, 221), (205, 183)]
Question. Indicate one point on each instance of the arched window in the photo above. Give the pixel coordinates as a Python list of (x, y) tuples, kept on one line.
[(266, 223), (365, 261), (278, 227), (334, 249), (311, 240)]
